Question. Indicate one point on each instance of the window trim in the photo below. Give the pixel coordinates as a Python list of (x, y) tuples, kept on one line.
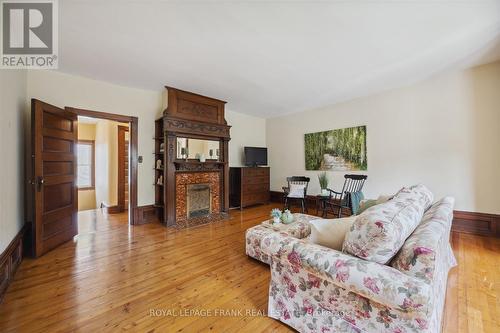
[(92, 165)]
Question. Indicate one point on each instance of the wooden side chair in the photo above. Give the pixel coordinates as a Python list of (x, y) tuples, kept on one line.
[(296, 191), (339, 200)]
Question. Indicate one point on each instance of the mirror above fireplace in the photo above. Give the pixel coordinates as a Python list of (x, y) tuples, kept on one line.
[(194, 148)]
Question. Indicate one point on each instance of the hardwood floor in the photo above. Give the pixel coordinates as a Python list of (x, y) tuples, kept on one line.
[(149, 278)]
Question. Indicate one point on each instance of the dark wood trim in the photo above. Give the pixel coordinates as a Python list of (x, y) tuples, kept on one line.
[(100, 115), (92, 177), (107, 209), (121, 167), (277, 196), (191, 115), (476, 223), (146, 214), (481, 224), (10, 259), (132, 166), (195, 94), (133, 158)]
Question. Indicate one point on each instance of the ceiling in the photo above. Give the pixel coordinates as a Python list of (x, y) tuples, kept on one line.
[(272, 58)]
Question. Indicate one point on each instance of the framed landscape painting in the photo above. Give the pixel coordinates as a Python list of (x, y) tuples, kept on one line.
[(336, 150)]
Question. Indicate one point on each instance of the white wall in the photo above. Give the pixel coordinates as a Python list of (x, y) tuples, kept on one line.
[(13, 125), (68, 90), (245, 131), (86, 197), (62, 90), (106, 159), (444, 132)]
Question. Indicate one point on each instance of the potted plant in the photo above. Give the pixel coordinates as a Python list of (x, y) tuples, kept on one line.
[(323, 183)]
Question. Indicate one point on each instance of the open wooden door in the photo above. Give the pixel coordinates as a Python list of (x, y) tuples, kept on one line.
[(54, 135), (123, 157)]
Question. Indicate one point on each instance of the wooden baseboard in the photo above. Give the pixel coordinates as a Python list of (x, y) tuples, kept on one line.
[(111, 209), (146, 214), (311, 203), (476, 223), (466, 222), (10, 259)]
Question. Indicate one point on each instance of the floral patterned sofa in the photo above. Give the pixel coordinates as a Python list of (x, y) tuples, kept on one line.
[(317, 289)]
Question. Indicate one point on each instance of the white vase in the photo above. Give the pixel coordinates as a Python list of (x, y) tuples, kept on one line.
[(276, 220), (324, 192)]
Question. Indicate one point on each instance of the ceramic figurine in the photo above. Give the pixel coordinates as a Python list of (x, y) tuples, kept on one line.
[(287, 217)]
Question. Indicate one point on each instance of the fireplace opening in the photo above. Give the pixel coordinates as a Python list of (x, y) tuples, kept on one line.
[(198, 200)]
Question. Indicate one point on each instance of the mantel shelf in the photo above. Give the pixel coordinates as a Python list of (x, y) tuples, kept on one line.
[(197, 162)]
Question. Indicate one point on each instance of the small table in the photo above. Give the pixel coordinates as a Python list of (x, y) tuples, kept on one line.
[(321, 201)]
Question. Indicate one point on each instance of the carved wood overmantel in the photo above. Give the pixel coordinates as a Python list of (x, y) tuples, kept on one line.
[(195, 116)]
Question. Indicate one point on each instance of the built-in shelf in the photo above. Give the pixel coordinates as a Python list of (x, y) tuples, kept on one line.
[(159, 153)]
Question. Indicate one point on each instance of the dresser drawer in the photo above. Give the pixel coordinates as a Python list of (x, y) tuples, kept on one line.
[(258, 187), (255, 172), (250, 199), (255, 180)]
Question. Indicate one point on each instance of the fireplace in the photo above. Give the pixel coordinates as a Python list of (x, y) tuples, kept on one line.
[(198, 202), (197, 195), (195, 190)]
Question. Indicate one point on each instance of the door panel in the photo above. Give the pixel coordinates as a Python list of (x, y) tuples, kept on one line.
[(54, 135), (123, 157)]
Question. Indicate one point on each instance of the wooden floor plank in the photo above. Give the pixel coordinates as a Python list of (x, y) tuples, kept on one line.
[(112, 276)]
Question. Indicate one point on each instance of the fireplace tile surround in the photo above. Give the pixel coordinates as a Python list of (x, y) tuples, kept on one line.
[(184, 179)]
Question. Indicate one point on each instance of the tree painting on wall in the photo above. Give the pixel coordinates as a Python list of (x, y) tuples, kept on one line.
[(336, 150)]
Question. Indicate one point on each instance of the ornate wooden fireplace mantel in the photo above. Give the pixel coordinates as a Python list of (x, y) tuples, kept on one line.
[(190, 115)]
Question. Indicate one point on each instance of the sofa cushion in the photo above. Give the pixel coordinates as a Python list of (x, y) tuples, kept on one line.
[(428, 245), (300, 228), (330, 232), (378, 233)]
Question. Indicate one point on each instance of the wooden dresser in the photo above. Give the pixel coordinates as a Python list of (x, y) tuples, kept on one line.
[(248, 186)]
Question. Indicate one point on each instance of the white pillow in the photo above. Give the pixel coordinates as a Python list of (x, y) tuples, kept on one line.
[(296, 191), (330, 232)]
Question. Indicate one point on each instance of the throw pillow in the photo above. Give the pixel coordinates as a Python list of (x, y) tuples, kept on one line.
[(380, 231), (296, 191), (330, 232)]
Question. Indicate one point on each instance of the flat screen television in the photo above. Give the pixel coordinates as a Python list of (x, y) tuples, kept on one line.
[(255, 156)]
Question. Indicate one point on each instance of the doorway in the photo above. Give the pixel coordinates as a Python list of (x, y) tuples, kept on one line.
[(53, 204), (115, 162), (102, 165)]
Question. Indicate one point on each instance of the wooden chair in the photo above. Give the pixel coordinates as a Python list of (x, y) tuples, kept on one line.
[(296, 180), (339, 200)]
